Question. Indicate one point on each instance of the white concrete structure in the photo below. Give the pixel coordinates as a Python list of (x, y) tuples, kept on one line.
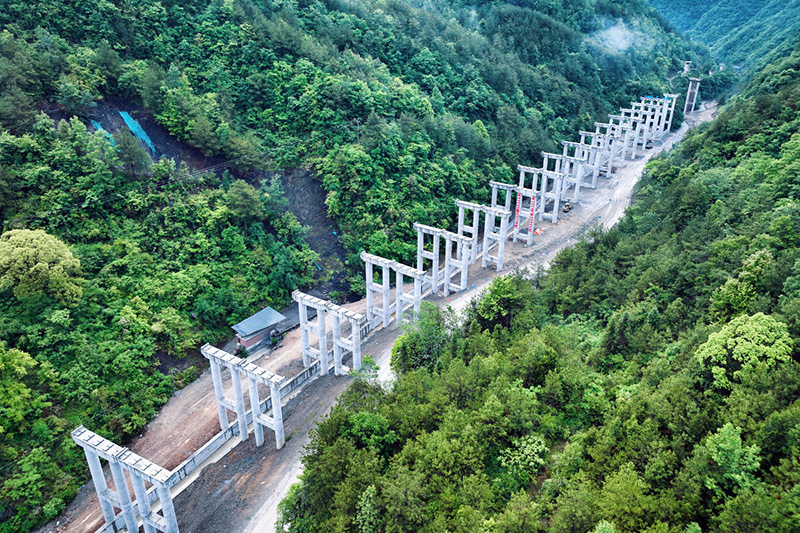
[(547, 186), (341, 345), (574, 170), (691, 95), (603, 143), (614, 141), (383, 314), (647, 114), (469, 229), (661, 107), (673, 99), (453, 265), (319, 329), (413, 299), (495, 230), (524, 210), (495, 233), (255, 375), (590, 155), (141, 471), (375, 314), (627, 135), (638, 124)]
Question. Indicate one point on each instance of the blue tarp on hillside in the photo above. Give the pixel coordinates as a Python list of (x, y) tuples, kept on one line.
[(137, 130), (99, 127)]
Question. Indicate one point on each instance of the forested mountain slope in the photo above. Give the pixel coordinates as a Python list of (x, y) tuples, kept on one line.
[(648, 382), (749, 33), (398, 106), (446, 94)]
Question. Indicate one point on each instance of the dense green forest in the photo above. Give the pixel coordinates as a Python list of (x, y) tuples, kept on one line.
[(750, 34), (440, 97), (649, 381), (110, 261)]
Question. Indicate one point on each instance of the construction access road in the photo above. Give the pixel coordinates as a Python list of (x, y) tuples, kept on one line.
[(240, 488)]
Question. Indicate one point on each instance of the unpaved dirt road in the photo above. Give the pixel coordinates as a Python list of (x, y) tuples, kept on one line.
[(241, 491)]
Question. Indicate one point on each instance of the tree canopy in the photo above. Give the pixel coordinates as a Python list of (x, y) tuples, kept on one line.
[(648, 381), (33, 262)]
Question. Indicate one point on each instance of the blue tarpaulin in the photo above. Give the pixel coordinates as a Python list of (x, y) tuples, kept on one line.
[(109, 138), (137, 130)]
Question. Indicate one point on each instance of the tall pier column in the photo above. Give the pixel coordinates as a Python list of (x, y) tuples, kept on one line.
[(398, 295), (420, 249), (337, 348), (277, 414), (370, 302), (502, 242), (167, 509), (435, 279), (323, 342), (387, 307), (463, 256), (140, 492), (255, 408), (238, 397), (303, 309), (100, 485), (121, 484), (219, 393)]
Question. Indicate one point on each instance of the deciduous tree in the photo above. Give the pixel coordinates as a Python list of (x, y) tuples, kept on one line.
[(33, 262)]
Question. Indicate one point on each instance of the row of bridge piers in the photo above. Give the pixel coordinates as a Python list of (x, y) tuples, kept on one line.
[(442, 267)]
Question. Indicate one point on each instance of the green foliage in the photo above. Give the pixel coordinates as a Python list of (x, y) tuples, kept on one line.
[(751, 33), (729, 466), (506, 296), (367, 518), (604, 526), (647, 382), (399, 107), (160, 264), (33, 263), (18, 396), (742, 344), (423, 340), (524, 459), (625, 501), (740, 295)]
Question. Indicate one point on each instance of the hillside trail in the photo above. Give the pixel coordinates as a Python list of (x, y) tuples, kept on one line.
[(240, 492)]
